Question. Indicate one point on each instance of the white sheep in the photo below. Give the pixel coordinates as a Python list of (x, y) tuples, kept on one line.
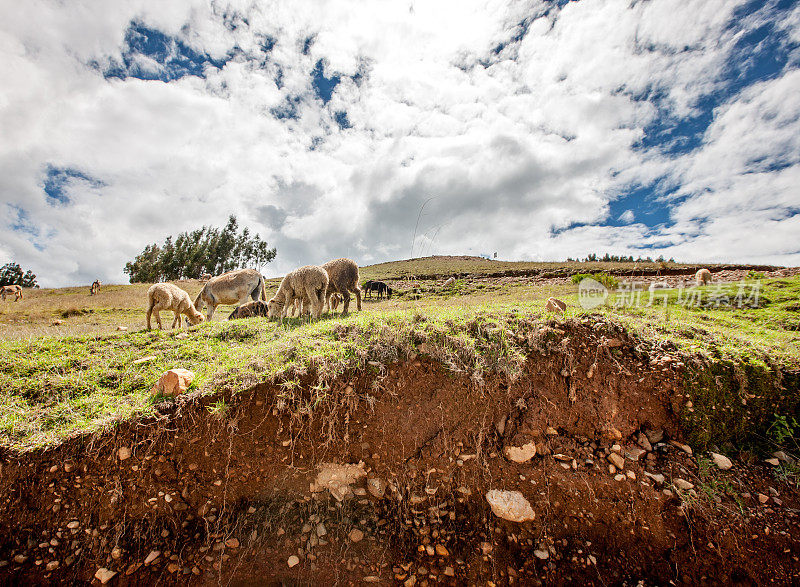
[(166, 296), (308, 283)]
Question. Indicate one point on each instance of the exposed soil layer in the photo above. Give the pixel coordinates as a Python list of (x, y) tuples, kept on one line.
[(221, 493)]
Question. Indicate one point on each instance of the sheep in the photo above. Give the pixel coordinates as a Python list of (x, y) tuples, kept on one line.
[(11, 289), (303, 306), (233, 287), (305, 283), (205, 277), (250, 309), (702, 277), (343, 279), (95, 287), (166, 296)]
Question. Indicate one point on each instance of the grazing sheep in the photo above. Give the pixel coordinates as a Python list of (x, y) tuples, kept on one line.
[(343, 279), (251, 309), (702, 277), (377, 286), (304, 306), (233, 287), (334, 301), (11, 289), (95, 287), (308, 283), (166, 296)]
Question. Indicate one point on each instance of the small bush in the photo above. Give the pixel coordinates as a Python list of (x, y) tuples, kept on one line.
[(606, 279), (783, 429)]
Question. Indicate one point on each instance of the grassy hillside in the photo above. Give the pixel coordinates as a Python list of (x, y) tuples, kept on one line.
[(53, 386), (445, 266)]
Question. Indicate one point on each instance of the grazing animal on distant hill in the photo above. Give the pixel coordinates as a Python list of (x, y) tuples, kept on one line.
[(251, 309), (702, 277), (166, 296), (343, 279), (7, 290), (205, 277), (308, 284), (95, 287), (377, 286), (233, 287)]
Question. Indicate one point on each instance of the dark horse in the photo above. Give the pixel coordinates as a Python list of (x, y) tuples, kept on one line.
[(377, 286)]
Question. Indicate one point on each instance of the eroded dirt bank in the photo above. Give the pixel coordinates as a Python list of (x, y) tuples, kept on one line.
[(212, 492)]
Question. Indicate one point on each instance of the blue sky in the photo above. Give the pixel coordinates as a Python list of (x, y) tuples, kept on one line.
[(540, 130)]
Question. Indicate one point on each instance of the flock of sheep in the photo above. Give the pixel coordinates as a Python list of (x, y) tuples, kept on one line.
[(308, 290)]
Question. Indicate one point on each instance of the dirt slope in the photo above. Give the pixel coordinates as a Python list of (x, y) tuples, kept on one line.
[(225, 497)]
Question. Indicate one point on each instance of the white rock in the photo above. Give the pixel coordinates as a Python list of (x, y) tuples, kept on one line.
[(356, 535), (124, 453), (684, 447), (555, 305), (337, 479), (154, 554), (293, 561), (721, 461), (682, 484), (173, 382), (104, 575), (521, 454), (657, 477), (376, 487), (635, 453), (510, 505), (616, 460), (541, 554)]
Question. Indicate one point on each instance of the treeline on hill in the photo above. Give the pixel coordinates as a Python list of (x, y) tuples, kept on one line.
[(12, 274), (205, 250), (622, 259)]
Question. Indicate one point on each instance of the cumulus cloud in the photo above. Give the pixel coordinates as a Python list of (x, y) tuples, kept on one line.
[(327, 126)]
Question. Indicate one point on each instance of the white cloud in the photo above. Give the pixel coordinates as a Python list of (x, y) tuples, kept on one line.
[(518, 146)]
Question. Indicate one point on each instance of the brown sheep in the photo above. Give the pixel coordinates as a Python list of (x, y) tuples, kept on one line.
[(702, 277), (306, 283), (343, 279), (7, 290), (233, 287), (166, 296), (251, 309)]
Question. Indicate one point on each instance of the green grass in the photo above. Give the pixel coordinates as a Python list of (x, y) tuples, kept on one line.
[(52, 387), (446, 266), (768, 334)]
